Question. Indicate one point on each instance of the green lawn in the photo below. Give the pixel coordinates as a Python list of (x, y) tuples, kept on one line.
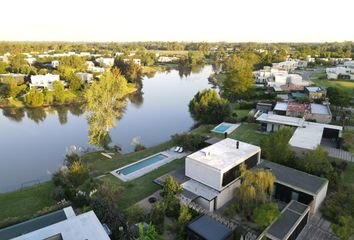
[(247, 132), (26, 202), (99, 164), (137, 189), (320, 78)]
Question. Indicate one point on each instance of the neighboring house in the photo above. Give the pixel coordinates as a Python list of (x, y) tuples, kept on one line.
[(59, 225), (5, 57), (92, 68), (307, 136), (206, 228), (345, 71), (30, 60), (212, 172), (320, 113), (315, 92), (44, 81), (105, 62), (294, 185), (134, 60), (164, 59), (288, 66), (85, 77), (55, 64)]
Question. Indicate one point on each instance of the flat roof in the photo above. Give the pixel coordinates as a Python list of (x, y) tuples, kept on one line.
[(224, 154), (83, 226), (289, 219), (319, 108), (281, 106), (200, 189), (280, 119), (209, 229), (295, 178), (32, 225), (308, 137), (314, 88)]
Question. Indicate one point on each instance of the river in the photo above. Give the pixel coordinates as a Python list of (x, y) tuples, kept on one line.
[(33, 142)]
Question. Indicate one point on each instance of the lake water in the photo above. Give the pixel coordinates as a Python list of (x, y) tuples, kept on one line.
[(33, 142)]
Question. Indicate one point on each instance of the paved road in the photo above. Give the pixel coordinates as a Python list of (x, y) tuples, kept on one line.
[(317, 229)]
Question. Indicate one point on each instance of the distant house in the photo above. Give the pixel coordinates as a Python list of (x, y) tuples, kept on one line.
[(92, 68), (44, 81), (315, 92), (85, 77), (134, 60), (105, 62), (55, 64), (345, 71), (165, 59), (5, 57), (30, 60), (59, 225), (212, 172)]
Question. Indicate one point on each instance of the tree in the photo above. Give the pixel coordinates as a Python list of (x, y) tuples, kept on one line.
[(208, 107), (75, 82), (149, 234), (189, 141), (78, 173), (344, 229), (265, 214), (59, 92), (12, 89), (17, 61), (338, 97), (238, 76), (43, 71), (105, 101), (34, 98), (171, 188), (75, 62), (130, 70), (184, 218), (256, 188), (3, 67), (275, 148)]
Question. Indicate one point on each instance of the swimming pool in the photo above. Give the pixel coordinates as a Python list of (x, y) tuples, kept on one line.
[(141, 164), (221, 128)]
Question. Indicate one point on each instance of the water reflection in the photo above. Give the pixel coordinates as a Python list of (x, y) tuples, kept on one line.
[(14, 114)]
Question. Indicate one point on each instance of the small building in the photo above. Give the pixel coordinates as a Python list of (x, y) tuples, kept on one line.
[(214, 171), (292, 220), (31, 60), (206, 228), (61, 225), (105, 62), (315, 92), (43, 81), (55, 64), (291, 184), (165, 59), (85, 77), (264, 107)]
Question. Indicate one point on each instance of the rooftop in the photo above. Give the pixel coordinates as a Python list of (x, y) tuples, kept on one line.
[(209, 229), (309, 136), (314, 89), (294, 178), (200, 189), (319, 108), (298, 107), (281, 106), (274, 118), (289, 219), (224, 154)]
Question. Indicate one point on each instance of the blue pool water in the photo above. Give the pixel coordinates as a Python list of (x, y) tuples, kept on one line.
[(222, 128), (139, 165)]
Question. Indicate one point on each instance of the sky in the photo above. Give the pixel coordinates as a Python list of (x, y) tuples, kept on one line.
[(177, 20)]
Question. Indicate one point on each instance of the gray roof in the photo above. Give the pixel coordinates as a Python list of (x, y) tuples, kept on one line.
[(212, 140), (295, 178), (32, 225), (209, 229), (288, 220)]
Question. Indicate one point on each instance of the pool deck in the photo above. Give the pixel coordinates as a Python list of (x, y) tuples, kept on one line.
[(232, 127), (171, 155)]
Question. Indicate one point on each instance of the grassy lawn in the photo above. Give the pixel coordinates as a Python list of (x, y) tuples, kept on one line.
[(348, 175), (26, 202), (99, 164), (137, 189), (247, 132), (320, 78)]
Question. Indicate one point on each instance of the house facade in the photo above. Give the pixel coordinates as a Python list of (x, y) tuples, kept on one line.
[(44, 81)]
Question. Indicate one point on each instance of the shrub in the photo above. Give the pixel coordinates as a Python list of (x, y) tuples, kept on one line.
[(265, 214), (189, 141)]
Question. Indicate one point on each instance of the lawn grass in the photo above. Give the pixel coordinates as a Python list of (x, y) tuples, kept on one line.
[(348, 174), (26, 202), (247, 132), (138, 189), (99, 164)]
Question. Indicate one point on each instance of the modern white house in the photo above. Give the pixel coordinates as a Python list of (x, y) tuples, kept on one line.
[(105, 62), (44, 81), (60, 225), (55, 64), (165, 59), (30, 60), (85, 77), (214, 171), (92, 68), (341, 72)]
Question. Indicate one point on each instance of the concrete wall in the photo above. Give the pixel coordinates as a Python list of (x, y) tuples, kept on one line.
[(203, 173), (227, 194), (321, 195), (205, 204)]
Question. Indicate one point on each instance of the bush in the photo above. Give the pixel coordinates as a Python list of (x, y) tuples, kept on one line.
[(189, 141), (157, 215), (135, 214), (265, 214)]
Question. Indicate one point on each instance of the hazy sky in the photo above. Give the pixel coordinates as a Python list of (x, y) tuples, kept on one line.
[(177, 20)]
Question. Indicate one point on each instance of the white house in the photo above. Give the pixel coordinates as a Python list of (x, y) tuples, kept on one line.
[(92, 68), (165, 59), (59, 225), (289, 65), (43, 81), (341, 72), (105, 62), (134, 60), (31, 60), (85, 77), (55, 63), (214, 171)]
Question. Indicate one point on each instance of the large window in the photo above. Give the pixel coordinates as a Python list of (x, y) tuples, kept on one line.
[(231, 175)]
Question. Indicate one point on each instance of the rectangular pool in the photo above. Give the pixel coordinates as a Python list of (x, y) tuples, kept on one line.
[(221, 128), (139, 165)]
